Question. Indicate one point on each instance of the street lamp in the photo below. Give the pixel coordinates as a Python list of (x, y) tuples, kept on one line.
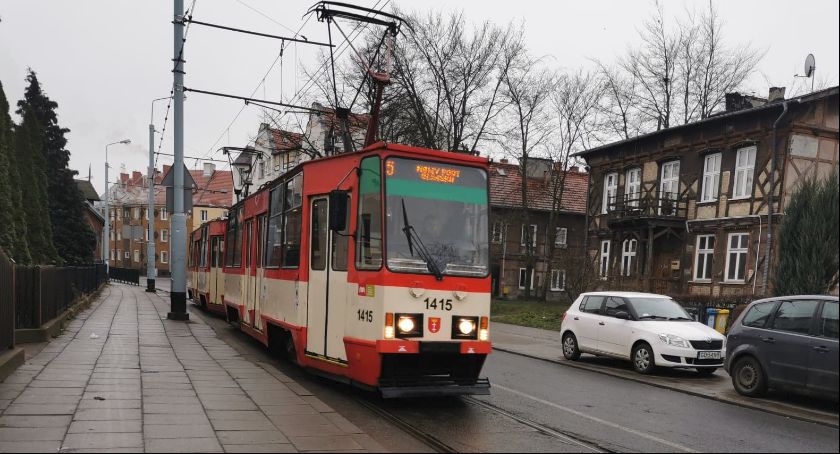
[(106, 251), (150, 245)]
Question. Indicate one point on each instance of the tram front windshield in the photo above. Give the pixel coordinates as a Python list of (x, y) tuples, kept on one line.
[(436, 218)]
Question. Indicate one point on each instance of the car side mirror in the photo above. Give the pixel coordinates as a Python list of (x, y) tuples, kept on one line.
[(338, 210), (622, 315)]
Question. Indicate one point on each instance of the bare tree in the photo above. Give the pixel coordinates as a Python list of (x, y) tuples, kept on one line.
[(619, 109), (528, 89), (576, 101)]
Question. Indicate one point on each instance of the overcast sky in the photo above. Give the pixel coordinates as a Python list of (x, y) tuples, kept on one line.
[(104, 61)]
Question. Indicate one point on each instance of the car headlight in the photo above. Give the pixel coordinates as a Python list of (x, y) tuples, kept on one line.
[(466, 327), (406, 324), (673, 340), (409, 325)]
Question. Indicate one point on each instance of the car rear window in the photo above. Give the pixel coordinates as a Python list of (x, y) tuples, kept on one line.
[(829, 320), (592, 304), (758, 315), (795, 316)]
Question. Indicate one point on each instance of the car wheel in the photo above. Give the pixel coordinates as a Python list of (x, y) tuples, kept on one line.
[(748, 377), (643, 361), (570, 347), (706, 371)]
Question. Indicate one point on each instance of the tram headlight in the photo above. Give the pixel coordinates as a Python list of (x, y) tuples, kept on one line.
[(409, 325), (464, 327)]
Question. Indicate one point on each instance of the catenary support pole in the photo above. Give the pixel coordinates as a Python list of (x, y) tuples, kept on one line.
[(150, 213), (178, 295)]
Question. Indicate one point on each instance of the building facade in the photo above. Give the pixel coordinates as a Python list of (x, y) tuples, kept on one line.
[(553, 232), (93, 217), (694, 209)]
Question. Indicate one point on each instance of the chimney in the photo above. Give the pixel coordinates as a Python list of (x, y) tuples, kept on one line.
[(776, 94), (209, 168), (123, 178), (136, 177), (503, 161)]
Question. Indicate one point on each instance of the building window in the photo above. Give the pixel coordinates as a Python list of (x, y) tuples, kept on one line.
[(711, 178), (526, 235), (163, 214), (119, 235), (164, 257), (524, 278), (605, 258), (610, 190), (736, 257), (127, 255), (164, 236), (704, 258), (633, 187), (670, 182), (498, 232), (560, 236), (558, 280), (136, 255), (204, 216), (744, 169), (146, 234), (628, 254), (119, 254)]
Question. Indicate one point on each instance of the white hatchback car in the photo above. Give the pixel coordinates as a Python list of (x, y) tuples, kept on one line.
[(649, 330)]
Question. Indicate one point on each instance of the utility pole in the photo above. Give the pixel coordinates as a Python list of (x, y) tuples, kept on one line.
[(151, 272), (178, 295)]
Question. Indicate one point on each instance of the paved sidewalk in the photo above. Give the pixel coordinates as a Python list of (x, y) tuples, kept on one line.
[(123, 378), (547, 345)]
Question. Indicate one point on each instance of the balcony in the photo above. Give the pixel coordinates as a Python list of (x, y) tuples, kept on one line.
[(649, 209)]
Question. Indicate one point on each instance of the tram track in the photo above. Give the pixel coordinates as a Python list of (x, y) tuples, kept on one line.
[(442, 446)]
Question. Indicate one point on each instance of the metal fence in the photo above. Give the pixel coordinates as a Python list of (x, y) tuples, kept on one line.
[(41, 293), (7, 303), (124, 275)]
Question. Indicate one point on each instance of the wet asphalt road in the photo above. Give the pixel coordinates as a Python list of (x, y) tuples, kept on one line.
[(547, 407)]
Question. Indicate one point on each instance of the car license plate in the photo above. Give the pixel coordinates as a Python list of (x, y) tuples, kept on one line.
[(708, 355)]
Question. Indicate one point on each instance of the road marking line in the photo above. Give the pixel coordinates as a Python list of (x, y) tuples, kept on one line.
[(596, 419)]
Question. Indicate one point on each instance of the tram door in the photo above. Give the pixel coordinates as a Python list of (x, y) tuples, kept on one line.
[(327, 289), (214, 270), (248, 296), (259, 260)]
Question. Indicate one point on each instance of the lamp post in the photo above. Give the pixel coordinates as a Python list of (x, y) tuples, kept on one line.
[(151, 273), (106, 251)]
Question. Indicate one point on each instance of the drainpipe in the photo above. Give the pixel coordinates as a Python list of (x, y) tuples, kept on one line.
[(769, 252), (586, 219)]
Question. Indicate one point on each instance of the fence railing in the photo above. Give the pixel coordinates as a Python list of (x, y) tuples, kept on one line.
[(124, 275), (7, 303), (33, 295), (637, 206)]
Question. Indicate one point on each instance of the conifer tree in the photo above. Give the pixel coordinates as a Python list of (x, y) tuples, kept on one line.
[(33, 181), (12, 224), (809, 239), (73, 238)]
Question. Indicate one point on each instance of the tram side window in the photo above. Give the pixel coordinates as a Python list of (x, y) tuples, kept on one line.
[(340, 243), (233, 243), (369, 226), (292, 217), (319, 235), (203, 261), (273, 243)]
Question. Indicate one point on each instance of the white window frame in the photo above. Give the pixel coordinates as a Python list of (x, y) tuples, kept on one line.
[(629, 247), (127, 255), (164, 257), (558, 280), (610, 191), (204, 215), (498, 234), (163, 214), (524, 271), (711, 177), (604, 265), (633, 186), (137, 255), (533, 236), (561, 233), (119, 254), (672, 181), (742, 186), (164, 235), (708, 255), (742, 254)]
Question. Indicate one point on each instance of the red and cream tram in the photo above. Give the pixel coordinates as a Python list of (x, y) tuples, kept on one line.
[(368, 267)]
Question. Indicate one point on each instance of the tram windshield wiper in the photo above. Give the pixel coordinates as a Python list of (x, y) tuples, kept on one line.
[(411, 236)]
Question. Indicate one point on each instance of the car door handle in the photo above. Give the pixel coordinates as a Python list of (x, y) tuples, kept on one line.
[(769, 340), (601, 323), (577, 318), (821, 349)]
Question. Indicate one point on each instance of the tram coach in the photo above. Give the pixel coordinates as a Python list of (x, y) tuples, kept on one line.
[(368, 267)]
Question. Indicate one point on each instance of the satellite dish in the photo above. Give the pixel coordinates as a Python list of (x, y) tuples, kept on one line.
[(809, 65)]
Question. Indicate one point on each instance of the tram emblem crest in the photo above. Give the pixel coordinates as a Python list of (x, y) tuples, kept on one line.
[(434, 324)]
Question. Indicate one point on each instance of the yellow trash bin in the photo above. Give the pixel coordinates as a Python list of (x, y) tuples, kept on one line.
[(720, 320)]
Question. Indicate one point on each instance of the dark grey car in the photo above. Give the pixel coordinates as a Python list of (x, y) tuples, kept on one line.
[(785, 342)]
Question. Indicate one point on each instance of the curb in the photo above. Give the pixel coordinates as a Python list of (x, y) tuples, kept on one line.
[(53, 327), (672, 388), (10, 361)]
